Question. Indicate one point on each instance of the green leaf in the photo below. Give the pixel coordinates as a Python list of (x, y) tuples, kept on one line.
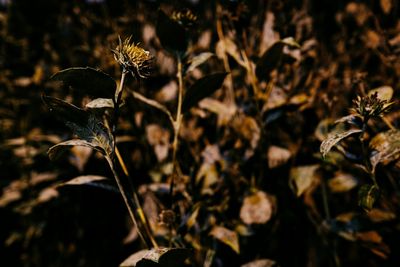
[(334, 138), (87, 81), (84, 124), (157, 257), (385, 148), (101, 103), (198, 60), (202, 88), (226, 236), (172, 35), (272, 57), (367, 195)]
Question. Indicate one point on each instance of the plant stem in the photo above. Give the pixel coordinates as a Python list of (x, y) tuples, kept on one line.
[(132, 204), (118, 93), (177, 127), (364, 149), (128, 203), (136, 202)]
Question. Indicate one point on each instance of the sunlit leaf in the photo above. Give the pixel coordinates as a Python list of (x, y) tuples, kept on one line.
[(87, 81), (101, 103), (172, 35), (271, 58), (384, 92), (198, 60), (157, 257), (277, 156), (55, 151), (342, 182), (378, 215), (385, 148), (202, 88), (226, 236), (256, 208), (334, 138), (84, 124), (84, 179), (261, 263), (302, 178), (367, 195)]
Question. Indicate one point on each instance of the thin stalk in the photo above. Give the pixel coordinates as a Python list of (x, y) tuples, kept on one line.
[(364, 152), (132, 204), (177, 127), (128, 203), (136, 202)]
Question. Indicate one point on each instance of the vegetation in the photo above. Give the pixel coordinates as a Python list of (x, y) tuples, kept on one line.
[(199, 133)]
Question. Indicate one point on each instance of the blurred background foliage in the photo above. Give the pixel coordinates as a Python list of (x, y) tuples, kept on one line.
[(255, 171)]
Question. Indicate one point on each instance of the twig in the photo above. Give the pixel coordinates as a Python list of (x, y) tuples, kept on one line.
[(154, 104)]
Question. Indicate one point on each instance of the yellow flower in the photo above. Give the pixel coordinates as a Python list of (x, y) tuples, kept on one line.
[(133, 58)]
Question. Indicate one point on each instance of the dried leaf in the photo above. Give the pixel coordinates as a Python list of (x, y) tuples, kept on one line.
[(384, 92), (260, 263), (377, 215), (84, 179), (256, 208), (87, 81), (198, 60), (334, 138), (163, 257), (385, 148), (367, 195), (302, 178), (159, 139), (342, 182), (277, 156), (226, 236), (386, 6), (202, 88), (101, 103)]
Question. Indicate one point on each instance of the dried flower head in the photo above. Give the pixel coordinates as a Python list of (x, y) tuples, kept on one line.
[(185, 17), (133, 58), (371, 106)]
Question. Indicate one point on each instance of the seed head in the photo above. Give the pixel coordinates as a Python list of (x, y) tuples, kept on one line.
[(185, 17), (133, 58), (371, 106)]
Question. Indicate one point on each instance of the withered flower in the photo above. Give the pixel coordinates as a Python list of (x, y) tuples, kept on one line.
[(185, 17), (371, 106), (133, 58)]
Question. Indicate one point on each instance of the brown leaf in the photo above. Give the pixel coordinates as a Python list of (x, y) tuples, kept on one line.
[(302, 178), (385, 148), (80, 156), (260, 263), (342, 182), (159, 138), (84, 179), (226, 236), (256, 208), (277, 156), (377, 215), (386, 6)]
